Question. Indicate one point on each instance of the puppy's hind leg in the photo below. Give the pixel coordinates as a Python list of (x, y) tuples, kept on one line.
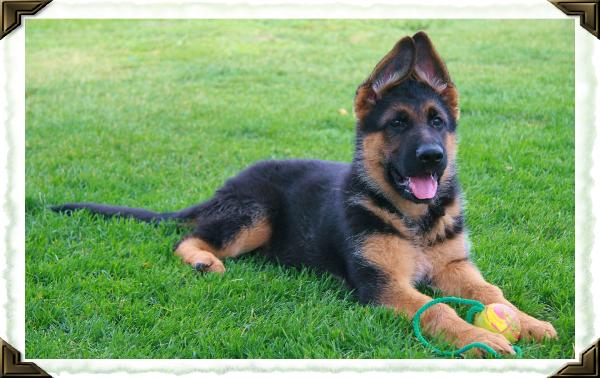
[(199, 255), (215, 240)]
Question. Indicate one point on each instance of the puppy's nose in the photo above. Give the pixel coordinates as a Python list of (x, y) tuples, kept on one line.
[(430, 154)]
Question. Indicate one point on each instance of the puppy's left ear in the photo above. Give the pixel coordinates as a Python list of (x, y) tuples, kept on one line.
[(430, 68)]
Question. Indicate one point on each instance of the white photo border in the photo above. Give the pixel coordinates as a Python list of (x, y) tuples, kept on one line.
[(12, 173)]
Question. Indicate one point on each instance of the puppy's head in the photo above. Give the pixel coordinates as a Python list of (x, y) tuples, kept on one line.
[(407, 111)]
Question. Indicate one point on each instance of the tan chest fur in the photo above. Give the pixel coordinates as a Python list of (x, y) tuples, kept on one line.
[(415, 257), (423, 267)]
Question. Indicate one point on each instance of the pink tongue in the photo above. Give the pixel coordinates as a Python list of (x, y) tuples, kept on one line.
[(423, 187)]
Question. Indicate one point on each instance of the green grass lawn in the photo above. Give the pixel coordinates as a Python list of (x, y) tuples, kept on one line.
[(158, 114)]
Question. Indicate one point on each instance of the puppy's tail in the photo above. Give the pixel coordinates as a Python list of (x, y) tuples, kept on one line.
[(127, 212)]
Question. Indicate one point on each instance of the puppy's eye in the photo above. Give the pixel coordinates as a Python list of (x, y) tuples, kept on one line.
[(437, 122), (399, 123)]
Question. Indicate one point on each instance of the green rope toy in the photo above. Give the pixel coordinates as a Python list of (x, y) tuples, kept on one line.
[(476, 309)]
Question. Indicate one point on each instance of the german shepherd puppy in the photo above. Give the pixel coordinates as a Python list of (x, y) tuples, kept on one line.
[(390, 219)]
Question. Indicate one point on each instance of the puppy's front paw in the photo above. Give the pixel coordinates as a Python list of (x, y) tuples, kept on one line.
[(496, 341), (534, 329)]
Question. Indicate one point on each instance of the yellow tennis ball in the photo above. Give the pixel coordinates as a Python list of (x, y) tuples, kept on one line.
[(499, 318)]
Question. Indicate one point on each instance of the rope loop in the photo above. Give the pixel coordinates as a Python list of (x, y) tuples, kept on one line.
[(476, 307)]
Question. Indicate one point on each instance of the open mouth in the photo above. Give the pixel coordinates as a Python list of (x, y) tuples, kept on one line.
[(422, 187)]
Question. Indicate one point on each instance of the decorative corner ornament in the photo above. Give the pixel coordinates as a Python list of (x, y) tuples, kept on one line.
[(12, 11), (586, 367), (587, 10), (11, 365)]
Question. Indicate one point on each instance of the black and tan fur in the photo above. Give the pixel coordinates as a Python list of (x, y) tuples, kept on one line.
[(362, 221)]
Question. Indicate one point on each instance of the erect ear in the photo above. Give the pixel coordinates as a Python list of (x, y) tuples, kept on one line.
[(428, 65), (430, 68), (396, 66)]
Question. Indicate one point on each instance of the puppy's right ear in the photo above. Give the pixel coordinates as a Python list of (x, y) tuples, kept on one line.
[(396, 66)]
